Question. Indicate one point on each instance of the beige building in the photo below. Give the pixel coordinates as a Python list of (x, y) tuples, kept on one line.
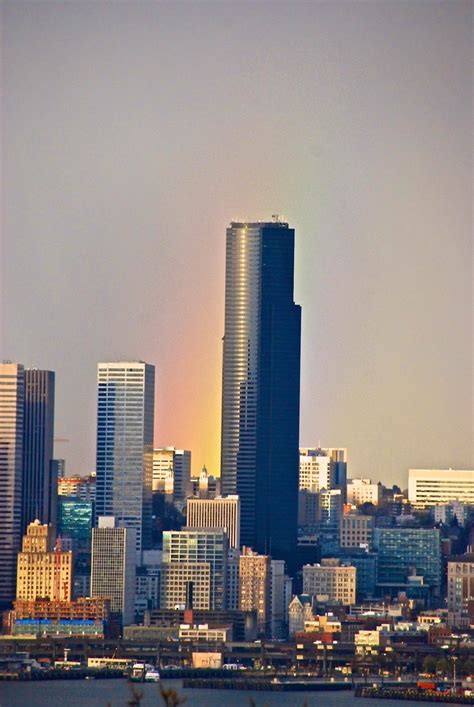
[(43, 570), (361, 491), (206, 633), (172, 472), (255, 583), (460, 582), (356, 530), (218, 512), (332, 580), (429, 487)]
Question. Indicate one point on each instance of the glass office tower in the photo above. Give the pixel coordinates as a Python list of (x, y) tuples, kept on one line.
[(125, 418), (261, 385), (40, 484)]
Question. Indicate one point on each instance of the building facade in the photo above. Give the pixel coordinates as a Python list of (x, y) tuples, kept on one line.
[(261, 385), (82, 487), (356, 530), (113, 566), (43, 570), (125, 419), (429, 487), (205, 485), (219, 512), (255, 587), (361, 491), (172, 472), (194, 569), (405, 552), (39, 494), (12, 398), (75, 521), (460, 582), (331, 579)]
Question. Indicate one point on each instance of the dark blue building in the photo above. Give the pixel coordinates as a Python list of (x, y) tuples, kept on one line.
[(261, 385)]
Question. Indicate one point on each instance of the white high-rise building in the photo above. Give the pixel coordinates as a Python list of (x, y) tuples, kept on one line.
[(113, 566), (125, 418), (221, 512), (316, 470), (429, 487), (172, 472), (12, 397)]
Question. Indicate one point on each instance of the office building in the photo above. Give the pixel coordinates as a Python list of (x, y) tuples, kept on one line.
[(219, 512), (356, 530), (308, 509), (366, 570), (125, 418), (446, 513), (255, 587), (460, 582), (205, 485), (405, 553), (12, 394), (172, 472), (361, 491), (280, 596), (322, 469), (82, 487), (429, 487), (332, 580), (59, 469), (113, 566), (261, 385), (39, 494), (233, 582), (194, 569), (330, 508), (44, 570), (75, 521)]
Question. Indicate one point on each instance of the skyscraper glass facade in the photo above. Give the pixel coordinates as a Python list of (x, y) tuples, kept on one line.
[(39, 495), (260, 390), (75, 521), (125, 418), (407, 551)]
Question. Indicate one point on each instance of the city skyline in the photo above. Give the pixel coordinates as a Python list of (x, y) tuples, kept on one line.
[(361, 143)]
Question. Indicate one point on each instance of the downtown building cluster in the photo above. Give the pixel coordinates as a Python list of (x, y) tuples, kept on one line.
[(281, 544)]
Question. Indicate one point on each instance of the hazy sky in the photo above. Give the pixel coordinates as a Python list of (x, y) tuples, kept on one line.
[(133, 132)]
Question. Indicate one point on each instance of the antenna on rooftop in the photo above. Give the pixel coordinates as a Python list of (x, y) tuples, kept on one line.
[(275, 218)]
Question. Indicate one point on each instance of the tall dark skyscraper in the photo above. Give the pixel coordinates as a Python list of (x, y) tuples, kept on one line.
[(39, 493), (261, 385)]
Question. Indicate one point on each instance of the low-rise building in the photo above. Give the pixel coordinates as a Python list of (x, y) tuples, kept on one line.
[(361, 491), (331, 579), (205, 633)]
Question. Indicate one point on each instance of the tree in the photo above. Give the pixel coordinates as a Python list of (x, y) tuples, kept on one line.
[(442, 666), (429, 664)]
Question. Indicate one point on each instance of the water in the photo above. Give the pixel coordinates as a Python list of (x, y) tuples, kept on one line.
[(116, 693)]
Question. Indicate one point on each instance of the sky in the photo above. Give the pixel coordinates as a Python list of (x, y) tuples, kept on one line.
[(132, 133)]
